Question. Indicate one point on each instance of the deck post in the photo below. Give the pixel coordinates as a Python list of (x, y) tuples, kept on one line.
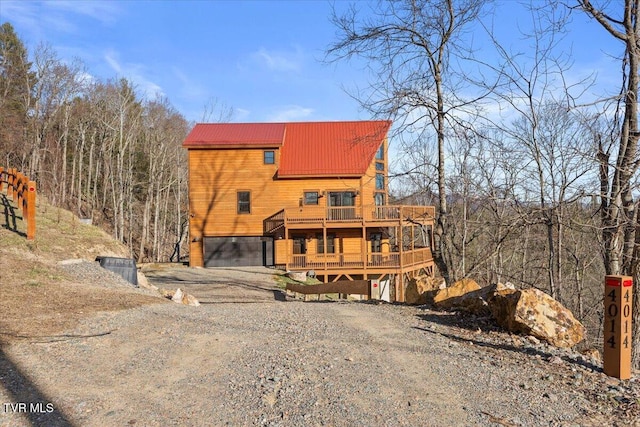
[(324, 244), (364, 249)]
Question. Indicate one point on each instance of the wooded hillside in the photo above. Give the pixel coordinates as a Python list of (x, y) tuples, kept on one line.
[(95, 147)]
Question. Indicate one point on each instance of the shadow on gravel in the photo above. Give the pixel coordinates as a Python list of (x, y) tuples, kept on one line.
[(472, 324), (10, 217), (27, 399)]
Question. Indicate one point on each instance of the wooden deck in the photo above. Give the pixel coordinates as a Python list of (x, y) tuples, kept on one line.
[(347, 217), (404, 255)]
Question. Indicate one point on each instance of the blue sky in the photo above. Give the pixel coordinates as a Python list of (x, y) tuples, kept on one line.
[(262, 58)]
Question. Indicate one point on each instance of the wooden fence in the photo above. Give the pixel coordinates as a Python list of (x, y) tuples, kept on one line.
[(342, 287), (22, 191)]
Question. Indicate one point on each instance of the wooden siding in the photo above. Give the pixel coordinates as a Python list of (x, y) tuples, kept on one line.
[(216, 175)]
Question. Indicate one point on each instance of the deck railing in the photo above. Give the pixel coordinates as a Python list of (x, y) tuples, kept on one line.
[(315, 215), (342, 261), (274, 222), (22, 191)]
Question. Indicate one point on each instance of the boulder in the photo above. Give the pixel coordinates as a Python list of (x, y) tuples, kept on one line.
[(299, 276), (446, 298), (532, 312), (477, 302), (421, 289)]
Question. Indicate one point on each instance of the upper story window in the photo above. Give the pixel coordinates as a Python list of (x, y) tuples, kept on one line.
[(380, 153), (379, 181), (244, 202), (269, 157), (379, 166), (310, 197)]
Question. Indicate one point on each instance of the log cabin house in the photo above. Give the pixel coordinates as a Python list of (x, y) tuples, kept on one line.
[(303, 196)]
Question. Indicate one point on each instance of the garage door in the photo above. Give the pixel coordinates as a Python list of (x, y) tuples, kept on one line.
[(238, 251)]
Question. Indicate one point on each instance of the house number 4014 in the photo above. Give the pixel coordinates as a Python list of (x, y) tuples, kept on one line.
[(614, 318), (618, 300)]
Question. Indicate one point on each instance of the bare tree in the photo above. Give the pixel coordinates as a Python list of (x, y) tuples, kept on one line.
[(415, 49), (619, 164)]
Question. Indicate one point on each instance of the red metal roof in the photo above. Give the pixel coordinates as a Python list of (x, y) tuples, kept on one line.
[(308, 148), (331, 148), (220, 134)]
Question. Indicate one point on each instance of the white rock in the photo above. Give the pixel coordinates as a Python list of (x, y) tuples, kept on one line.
[(177, 296)]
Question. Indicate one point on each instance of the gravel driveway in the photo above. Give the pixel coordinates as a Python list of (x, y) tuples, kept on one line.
[(291, 363), (217, 285)]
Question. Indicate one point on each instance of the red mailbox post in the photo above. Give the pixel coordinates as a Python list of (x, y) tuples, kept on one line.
[(618, 293)]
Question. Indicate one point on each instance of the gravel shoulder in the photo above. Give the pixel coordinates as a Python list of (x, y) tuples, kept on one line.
[(291, 363)]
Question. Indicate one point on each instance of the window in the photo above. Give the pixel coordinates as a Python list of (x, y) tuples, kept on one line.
[(379, 166), (379, 181), (269, 157), (310, 197), (376, 242), (346, 198), (244, 202), (380, 153), (379, 199), (331, 247)]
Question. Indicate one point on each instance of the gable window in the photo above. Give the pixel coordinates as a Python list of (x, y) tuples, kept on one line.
[(310, 197), (331, 246), (269, 157), (379, 166), (380, 153), (379, 181), (244, 202)]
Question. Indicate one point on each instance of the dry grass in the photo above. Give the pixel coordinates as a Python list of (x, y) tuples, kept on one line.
[(38, 299)]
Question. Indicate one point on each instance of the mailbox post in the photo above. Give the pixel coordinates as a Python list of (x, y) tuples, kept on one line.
[(618, 292)]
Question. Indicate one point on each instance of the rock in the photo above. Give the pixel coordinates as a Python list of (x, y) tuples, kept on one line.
[(421, 289), (144, 283), (477, 301), (593, 354), (299, 276), (189, 299), (177, 296), (180, 297), (532, 312), (499, 302), (447, 298), (533, 340), (167, 293)]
